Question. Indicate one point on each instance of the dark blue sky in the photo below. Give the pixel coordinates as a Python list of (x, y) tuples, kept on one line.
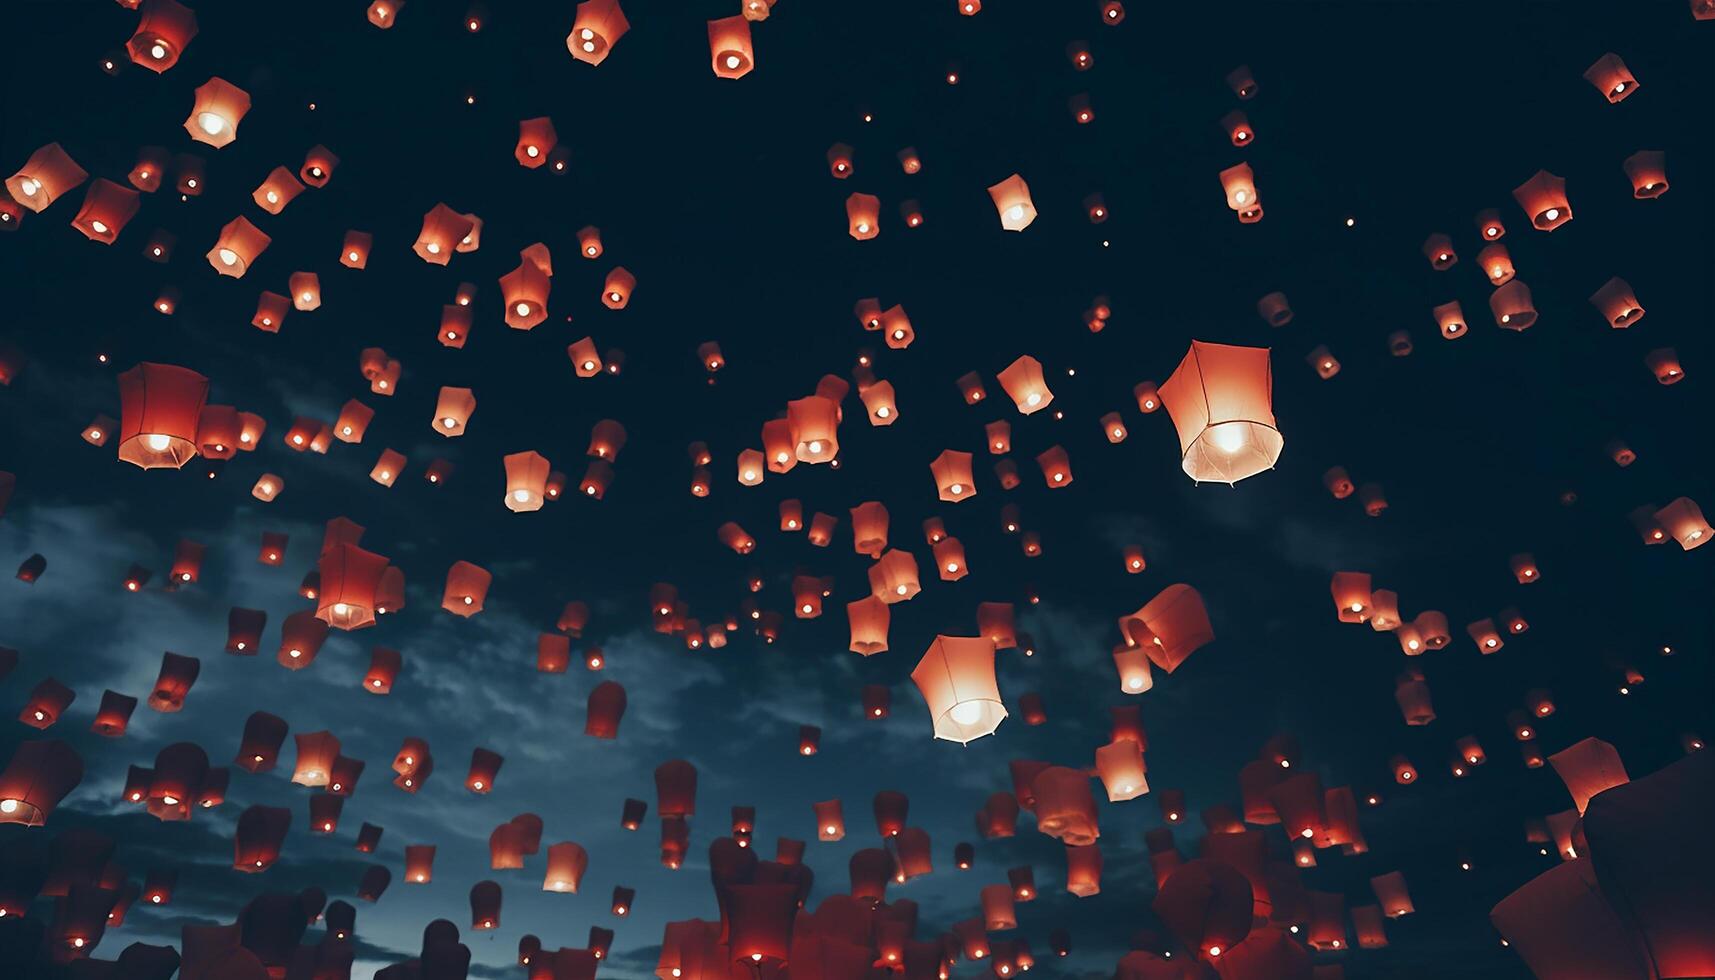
[(1406, 118)]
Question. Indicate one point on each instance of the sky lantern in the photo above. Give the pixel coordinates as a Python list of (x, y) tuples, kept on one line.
[(1588, 767), (606, 707), (1022, 380), (597, 28), (1450, 318), (277, 190), (306, 290), (567, 862), (260, 834), (1079, 105), (1543, 198), (524, 295), (1238, 128), (876, 701), (1617, 303), (1012, 201), (536, 139), (177, 674), (301, 638), (484, 769), (113, 717), (730, 51), (163, 32), (319, 164), (1663, 362), (1438, 249), (813, 425), (1220, 398), (387, 467), (271, 309), (952, 473), (1647, 170), (893, 578), (316, 754), (237, 246), (1497, 264), (956, 678), (896, 328), (1684, 521), (950, 562), (48, 174), (106, 209), (586, 361), (1242, 197), (1412, 693), (616, 289), (526, 480), (455, 326), (1056, 468), (383, 670), (1511, 305), (676, 789), (1169, 627), (1612, 78), (1120, 766), (1352, 596), (971, 388), (442, 231), (830, 820), (219, 106), (879, 403), (354, 418), (219, 431), (384, 13), (350, 580), (868, 618), (453, 408), (863, 216), (840, 161), (36, 778), (160, 411), (466, 588), (736, 538), (1322, 362)]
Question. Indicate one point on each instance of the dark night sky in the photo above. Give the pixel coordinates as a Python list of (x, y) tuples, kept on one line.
[(1408, 118)]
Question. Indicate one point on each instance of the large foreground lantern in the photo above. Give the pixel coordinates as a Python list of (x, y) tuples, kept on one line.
[(49, 173), (1012, 200), (160, 407), (956, 679), (1221, 401)]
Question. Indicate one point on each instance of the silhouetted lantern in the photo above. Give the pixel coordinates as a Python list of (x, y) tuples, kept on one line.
[(1065, 808), (1511, 305), (1239, 184), (1663, 362), (47, 175), (1012, 201), (324, 813), (1647, 170), (219, 106), (484, 769), (259, 836), (1450, 318), (1543, 198), (177, 674), (1684, 520)]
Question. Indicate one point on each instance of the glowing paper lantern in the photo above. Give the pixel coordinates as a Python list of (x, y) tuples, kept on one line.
[(1543, 198), (218, 108), (44, 177), (952, 473), (1647, 170), (730, 51), (1242, 197), (1012, 201), (1023, 382), (106, 209), (598, 27), (1220, 399), (956, 678), (160, 412), (863, 216), (1612, 78)]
